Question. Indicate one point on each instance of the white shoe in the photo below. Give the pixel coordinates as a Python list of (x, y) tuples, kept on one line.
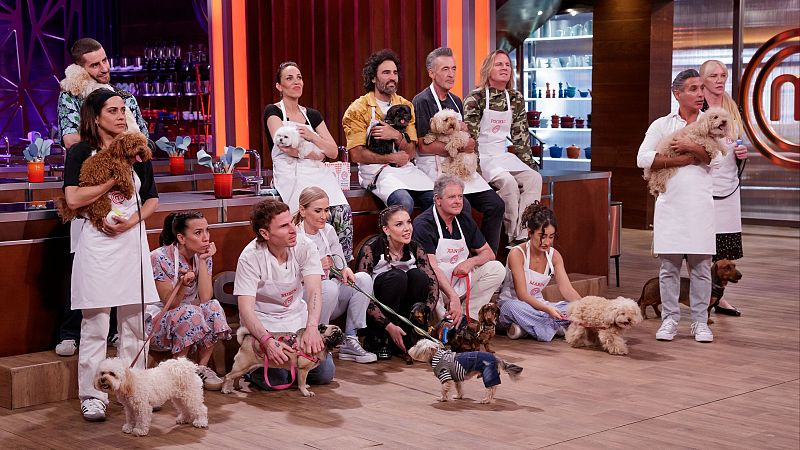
[(211, 381), (667, 331), (352, 350), (93, 410), (515, 332), (67, 347), (701, 332)]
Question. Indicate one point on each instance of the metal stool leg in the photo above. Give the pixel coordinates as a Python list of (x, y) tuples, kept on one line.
[(616, 268)]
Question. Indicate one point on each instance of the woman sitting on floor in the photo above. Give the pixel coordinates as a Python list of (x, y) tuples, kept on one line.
[(194, 319), (523, 309)]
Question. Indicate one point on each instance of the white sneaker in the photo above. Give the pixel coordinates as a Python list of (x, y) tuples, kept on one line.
[(211, 381), (701, 332), (515, 332), (67, 347), (352, 350), (667, 331), (93, 410)]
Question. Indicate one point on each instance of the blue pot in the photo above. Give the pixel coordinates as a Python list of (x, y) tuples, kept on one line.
[(556, 151), (588, 152)]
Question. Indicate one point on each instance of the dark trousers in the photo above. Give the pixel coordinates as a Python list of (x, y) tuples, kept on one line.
[(406, 198), (398, 290), (492, 207)]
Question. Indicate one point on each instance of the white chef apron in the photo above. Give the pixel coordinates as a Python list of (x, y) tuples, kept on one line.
[(292, 175), (432, 164), (535, 282), (279, 305), (392, 178), (323, 252), (109, 270), (450, 253), (727, 211), (495, 158)]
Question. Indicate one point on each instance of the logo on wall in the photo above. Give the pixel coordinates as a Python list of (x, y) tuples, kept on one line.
[(770, 133)]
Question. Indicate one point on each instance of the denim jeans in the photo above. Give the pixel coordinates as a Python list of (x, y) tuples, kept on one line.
[(322, 374)]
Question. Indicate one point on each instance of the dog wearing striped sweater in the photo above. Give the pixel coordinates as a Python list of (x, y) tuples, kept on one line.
[(453, 368)]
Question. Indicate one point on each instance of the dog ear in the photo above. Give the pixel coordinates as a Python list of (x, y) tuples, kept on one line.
[(704, 125), (482, 313), (126, 384), (610, 312)]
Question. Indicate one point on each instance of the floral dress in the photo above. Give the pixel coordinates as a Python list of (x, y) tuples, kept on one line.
[(191, 322)]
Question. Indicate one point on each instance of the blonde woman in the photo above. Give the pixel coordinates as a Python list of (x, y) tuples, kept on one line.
[(495, 113), (338, 297), (725, 174)]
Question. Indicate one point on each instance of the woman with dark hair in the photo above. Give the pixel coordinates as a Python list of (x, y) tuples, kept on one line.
[(293, 172), (112, 264), (530, 268), (401, 277), (195, 319)]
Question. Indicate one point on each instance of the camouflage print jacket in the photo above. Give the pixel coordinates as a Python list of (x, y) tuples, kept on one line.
[(474, 105)]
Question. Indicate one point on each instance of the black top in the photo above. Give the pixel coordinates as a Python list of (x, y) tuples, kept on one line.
[(425, 107), (426, 233), (81, 151), (314, 116)]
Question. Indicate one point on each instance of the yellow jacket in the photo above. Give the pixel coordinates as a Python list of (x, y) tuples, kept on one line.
[(358, 115)]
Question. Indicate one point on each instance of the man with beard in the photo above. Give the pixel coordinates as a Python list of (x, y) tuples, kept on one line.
[(392, 177)]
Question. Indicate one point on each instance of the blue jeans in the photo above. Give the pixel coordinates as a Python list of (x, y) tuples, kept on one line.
[(483, 362), (408, 198), (322, 374)]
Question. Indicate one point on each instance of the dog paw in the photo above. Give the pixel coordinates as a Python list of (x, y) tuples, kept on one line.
[(620, 351), (201, 422), (227, 388), (308, 394), (487, 401), (458, 397), (181, 419), (127, 429), (140, 431), (442, 399)]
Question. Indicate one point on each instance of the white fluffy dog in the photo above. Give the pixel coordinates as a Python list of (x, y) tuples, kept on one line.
[(446, 128), (596, 320), (288, 136), (140, 390), (707, 131), (78, 82)]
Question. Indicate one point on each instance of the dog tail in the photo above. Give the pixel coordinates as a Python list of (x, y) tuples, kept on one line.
[(65, 212), (242, 333), (512, 370)]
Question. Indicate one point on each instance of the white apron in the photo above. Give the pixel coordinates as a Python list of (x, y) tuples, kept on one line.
[(535, 282), (450, 253), (392, 178), (727, 211), (432, 164), (683, 221), (383, 266), (323, 252), (107, 270), (279, 305), (292, 175), (494, 156)]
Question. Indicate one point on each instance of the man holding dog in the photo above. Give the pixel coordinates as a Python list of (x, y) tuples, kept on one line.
[(393, 178), (463, 262), (278, 284), (683, 223), (442, 69)]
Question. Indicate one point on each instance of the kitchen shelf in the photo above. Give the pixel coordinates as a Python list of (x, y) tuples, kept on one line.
[(581, 160), (548, 99), (548, 69), (585, 130), (557, 38)]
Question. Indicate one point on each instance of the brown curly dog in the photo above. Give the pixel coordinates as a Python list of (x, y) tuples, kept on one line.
[(114, 162)]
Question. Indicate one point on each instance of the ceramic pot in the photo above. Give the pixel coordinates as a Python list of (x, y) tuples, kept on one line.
[(573, 151), (555, 151), (588, 152)]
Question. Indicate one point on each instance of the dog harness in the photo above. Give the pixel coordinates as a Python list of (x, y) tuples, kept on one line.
[(717, 290), (291, 341)]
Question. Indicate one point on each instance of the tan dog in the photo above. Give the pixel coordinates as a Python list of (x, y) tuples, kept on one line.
[(248, 358), (115, 162), (79, 83), (446, 128), (140, 390), (487, 321), (722, 272), (596, 320), (707, 131)]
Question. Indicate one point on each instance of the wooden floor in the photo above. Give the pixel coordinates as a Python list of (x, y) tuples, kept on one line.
[(742, 391)]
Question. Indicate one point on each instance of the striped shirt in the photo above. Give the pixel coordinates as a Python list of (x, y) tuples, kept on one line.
[(445, 366)]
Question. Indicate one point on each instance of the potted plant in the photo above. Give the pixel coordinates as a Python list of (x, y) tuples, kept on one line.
[(35, 153), (222, 169), (176, 151)]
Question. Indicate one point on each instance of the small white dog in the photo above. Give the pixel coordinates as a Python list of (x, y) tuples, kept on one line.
[(288, 136), (78, 82), (596, 320), (140, 390)]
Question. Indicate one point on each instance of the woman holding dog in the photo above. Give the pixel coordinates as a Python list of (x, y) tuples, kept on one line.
[(338, 296), (402, 276), (291, 172), (725, 174), (530, 267), (112, 264), (195, 319)]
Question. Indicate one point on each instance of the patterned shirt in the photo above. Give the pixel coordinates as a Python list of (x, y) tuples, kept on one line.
[(445, 366), (163, 262), (473, 112), (69, 112)]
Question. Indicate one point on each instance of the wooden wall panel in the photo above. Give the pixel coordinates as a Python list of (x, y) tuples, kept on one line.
[(330, 40), (632, 56)]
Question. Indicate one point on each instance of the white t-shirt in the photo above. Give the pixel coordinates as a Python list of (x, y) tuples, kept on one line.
[(384, 106), (333, 247)]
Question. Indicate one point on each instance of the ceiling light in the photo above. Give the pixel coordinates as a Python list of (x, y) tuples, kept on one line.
[(540, 13)]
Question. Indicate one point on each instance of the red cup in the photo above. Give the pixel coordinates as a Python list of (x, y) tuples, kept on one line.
[(36, 172), (176, 165), (223, 185)]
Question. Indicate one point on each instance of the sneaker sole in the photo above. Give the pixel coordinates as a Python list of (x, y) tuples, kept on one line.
[(65, 354), (704, 340), (664, 338), (358, 359)]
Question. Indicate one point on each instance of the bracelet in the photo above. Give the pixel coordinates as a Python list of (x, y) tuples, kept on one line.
[(266, 337)]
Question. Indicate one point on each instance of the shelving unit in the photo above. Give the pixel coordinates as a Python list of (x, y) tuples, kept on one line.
[(560, 52)]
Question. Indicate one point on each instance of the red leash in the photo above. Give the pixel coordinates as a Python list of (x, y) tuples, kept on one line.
[(292, 341), (466, 301), (172, 296)]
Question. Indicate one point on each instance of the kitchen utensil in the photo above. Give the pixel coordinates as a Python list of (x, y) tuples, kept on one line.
[(587, 152), (204, 159), (583, 94), (570, 91), (555, 151), (573, 151)]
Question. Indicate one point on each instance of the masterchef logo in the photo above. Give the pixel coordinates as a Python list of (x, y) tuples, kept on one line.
[(116, 197), (760, 127)]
